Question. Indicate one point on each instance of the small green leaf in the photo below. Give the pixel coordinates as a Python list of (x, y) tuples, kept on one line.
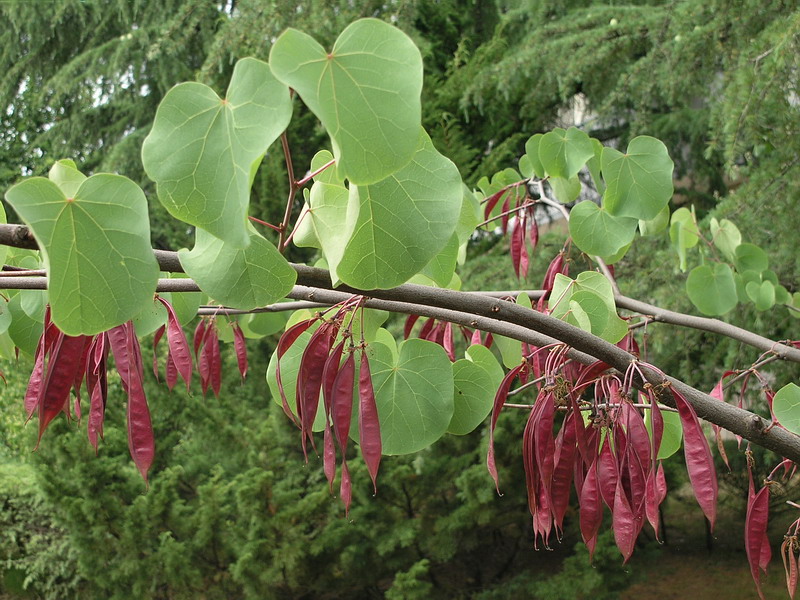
[(712, 289), (726, 237), (202, 149), (5, 316), (655, 226), (96, 249), (532, 153), (594, 166), (255, 276), (475, 379), (510, 349), (366, 92), (66, 176), (24, 331), (683, 233), (762, 295), (795, 304), (639, 182), (403, 221), (565, 190), (673, 432), (598, 233), (750, 257), (786, 406), (564, 153)]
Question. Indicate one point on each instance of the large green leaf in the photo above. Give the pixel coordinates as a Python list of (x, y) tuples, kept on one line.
[(639, 182), (96, 248), (202, 149), (240, 278), (598, 233), (563, 153), (476, 379), (402, 222), (414, 394), (786, 406), (711, 289), (533, 164), (366, 91)]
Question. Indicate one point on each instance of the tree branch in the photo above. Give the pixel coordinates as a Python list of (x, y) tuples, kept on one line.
[(487, 312)]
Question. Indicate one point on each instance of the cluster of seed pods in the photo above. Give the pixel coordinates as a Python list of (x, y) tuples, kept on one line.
[(63, 362), (328, 367)]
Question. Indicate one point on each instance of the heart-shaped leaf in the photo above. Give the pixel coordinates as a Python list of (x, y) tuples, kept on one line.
[(786, 406), (639, 182), (563, 153), (366, 91), (476, 379), (202, 149), (597, 232), (712, 289), (414, 394), (96, 249), (241, 278), (402, 222)]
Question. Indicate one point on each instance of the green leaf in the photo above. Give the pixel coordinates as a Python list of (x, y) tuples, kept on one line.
[(66, 176), (726, 237), (96, 249), (5, 316), (564, 153), (639, 182), (469, 217), (532, 154), (202, 149), (3, 249), (750, 257), (366, 92), (763, 294), (594, 166), (258, 325), (590, 301), (657, 225), (673, 432), (24, 331), (796, 304), (565, 190), (440, 268), (403, 221), (330, 221), (786, 406), (255, 276), (414, 394), (510, 349), (598, 233), (185, 304), (683, 233), (476, 379), (152, 316), (618, 255), (712, 289)]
